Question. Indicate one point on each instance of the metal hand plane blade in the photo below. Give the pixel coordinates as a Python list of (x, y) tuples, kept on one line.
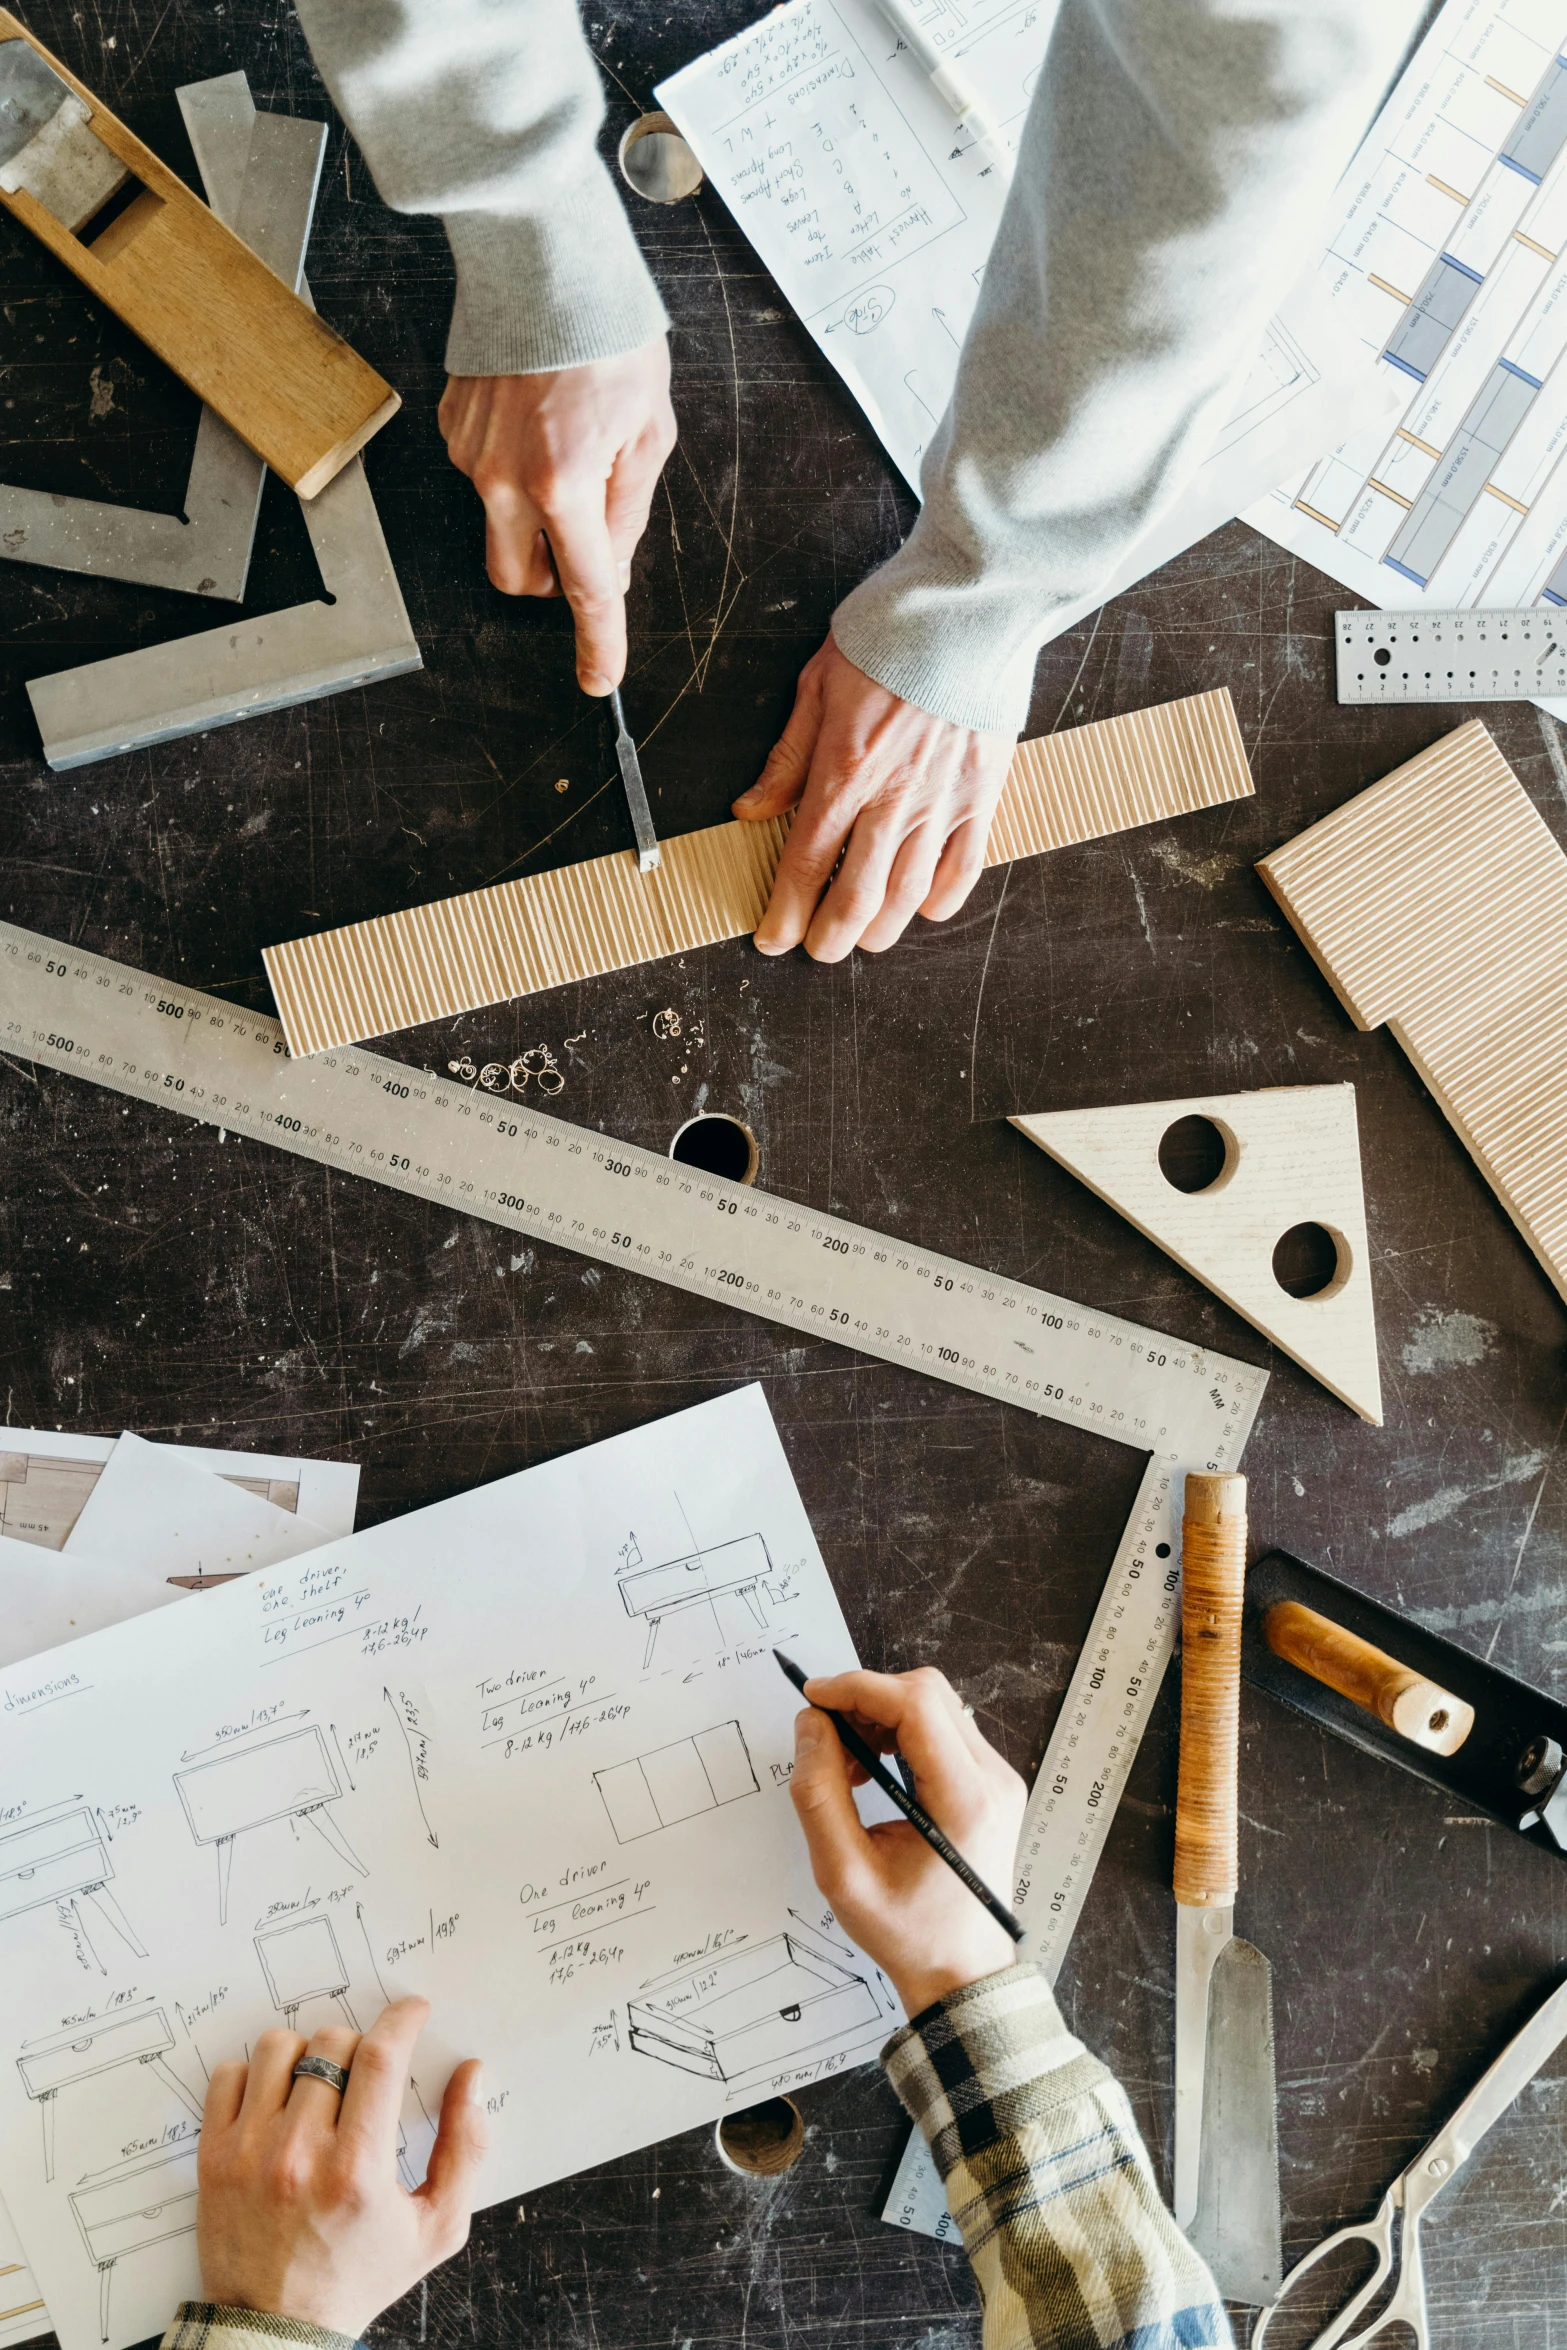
[(1236, 2224)]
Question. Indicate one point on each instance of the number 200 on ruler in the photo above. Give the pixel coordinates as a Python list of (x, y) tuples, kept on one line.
[(365, 1115)]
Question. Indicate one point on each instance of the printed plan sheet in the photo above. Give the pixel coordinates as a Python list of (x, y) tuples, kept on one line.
[(526, 1752), (1449, 262), (876, 215)]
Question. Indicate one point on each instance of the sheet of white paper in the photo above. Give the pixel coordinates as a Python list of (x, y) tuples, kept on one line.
[(526, 1751), (847, 173), (22, 2313), (155, 1511), (50, 1597), (1447, 259), (46, 1475)]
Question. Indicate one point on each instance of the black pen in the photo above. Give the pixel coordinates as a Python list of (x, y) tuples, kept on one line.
[(871, 1763)]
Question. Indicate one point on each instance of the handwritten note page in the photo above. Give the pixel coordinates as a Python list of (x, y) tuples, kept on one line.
[(526, 1752), (47, 1475)]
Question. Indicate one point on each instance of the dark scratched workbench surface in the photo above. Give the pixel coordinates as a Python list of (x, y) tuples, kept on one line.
[(156, 1277)]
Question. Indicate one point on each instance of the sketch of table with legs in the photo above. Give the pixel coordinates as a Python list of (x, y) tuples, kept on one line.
[(65, 1861), (76, 2055), (301, 1961), (288, 1777), (728, 1570), (128, 2213)]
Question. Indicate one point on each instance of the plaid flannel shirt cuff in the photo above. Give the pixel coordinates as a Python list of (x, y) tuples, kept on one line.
[(209, 2325), (979, 2063)]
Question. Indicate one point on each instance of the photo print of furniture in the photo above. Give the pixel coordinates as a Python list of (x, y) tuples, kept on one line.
[(86, 2050), (290, 1777), (301, 1962), (64, 1861), (676, 1782), (728, 1571), (757, 2010), (133, 2210)]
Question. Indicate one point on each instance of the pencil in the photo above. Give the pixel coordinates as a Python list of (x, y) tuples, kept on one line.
[(915, 1813)]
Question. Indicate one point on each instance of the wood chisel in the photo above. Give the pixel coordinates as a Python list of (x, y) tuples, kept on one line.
[(636, 789), (1226, 2124)]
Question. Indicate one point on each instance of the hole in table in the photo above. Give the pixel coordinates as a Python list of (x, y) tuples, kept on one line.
[(717, 1144), (762, 2140)]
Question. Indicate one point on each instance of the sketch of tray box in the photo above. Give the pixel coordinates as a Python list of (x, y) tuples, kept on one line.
[(76, 2055), (675, 1782), (753, 2010), (291, 1777), (301, 1961), (126, 2214), (63, 1860), (728, 1570)]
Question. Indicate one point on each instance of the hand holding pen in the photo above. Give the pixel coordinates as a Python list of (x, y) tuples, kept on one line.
[(902, 1903)]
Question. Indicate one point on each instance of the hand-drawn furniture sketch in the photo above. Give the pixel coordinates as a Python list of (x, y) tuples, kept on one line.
[(290, 1777), (301, 1961), (675, 1782), (127, 2213), (753, 2010), (76, 2055), (66, 1861), (730, 1569)]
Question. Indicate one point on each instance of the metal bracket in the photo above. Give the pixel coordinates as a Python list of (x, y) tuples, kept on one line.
[(261, 173), (245, 667)]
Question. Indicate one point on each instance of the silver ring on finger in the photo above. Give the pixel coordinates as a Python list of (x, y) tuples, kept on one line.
[(321, 2068)]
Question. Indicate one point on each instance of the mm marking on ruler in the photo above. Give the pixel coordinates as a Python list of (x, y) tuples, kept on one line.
[(355, 1111), (1474, 656)]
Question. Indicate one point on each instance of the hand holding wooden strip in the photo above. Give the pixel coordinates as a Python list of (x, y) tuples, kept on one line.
[(1416, 1708), (428, 962), (1213, 1575)]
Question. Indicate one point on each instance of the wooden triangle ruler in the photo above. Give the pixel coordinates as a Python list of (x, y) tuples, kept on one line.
[(1292, 1156)]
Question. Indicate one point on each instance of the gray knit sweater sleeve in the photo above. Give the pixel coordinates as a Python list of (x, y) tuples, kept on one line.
[(487, 113), (1173, 173)]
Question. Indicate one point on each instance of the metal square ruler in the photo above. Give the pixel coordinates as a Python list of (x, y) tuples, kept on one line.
[(1474, 656), (1186, 1407)]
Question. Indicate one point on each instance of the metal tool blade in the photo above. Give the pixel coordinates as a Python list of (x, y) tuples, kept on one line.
[(1201, 1937), (1236, 2225), (636, 789)]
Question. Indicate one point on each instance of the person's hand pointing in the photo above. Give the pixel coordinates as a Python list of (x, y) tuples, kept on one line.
[(566, 464)]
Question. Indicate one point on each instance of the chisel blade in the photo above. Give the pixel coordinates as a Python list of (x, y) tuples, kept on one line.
[(1236, 2226), (636, 789)]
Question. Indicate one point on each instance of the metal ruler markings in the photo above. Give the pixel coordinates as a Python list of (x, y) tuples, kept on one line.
[(435, 1140), (1474, 656)]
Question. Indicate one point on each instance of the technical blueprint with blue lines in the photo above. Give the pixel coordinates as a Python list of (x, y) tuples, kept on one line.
[(1449, 262)]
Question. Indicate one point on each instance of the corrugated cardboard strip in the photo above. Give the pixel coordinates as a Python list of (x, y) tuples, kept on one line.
[(460, 953), (1436, 903)]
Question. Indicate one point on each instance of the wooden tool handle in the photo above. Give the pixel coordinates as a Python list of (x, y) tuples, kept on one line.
[(1213, 1574), (1416, 1708)]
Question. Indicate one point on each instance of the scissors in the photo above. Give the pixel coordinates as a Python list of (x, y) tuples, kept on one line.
[(1415, 2189)]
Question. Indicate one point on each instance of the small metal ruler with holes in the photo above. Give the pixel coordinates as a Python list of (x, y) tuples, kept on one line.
[(1475, 656), (364, 1115)]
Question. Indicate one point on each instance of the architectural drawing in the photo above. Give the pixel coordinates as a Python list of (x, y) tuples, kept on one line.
[(1448, 260), (85, 2050), (291, 1777), (136, 2208), (729, 1570), (755, 2010), (301, 1962), (65, 1861), (676, 1782), (408, 1712)]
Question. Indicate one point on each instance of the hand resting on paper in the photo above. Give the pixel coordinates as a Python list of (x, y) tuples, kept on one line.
[(299, 2209), (567, 463), (889, 1890), (903, 798)]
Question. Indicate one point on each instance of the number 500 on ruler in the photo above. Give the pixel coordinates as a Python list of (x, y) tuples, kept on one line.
[(364, 1115)]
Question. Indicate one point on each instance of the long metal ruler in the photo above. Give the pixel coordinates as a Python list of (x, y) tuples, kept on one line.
[(1474, 656), (362, 1114)]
